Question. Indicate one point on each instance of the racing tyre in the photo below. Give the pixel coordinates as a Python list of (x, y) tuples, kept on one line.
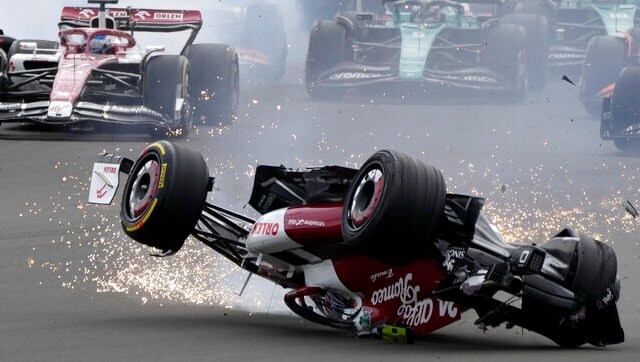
[(327, 48), (40, 44), (5, 43), (164, 195), (606, 56), (166, 90), (536, 46), (504, 54), (393, 207), (625, 107), (215, 81)]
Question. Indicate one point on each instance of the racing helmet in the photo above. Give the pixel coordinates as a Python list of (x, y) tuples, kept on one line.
[(98, 44)]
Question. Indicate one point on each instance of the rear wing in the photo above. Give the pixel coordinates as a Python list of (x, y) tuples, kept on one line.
[(129, 19)]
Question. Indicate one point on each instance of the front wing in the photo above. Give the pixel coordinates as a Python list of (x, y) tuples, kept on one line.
[(354, 75), (47, 113)]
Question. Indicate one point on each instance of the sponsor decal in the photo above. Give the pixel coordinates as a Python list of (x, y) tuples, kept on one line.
[(387, 274), (305, 222), (9, 106), (473, 78), (605, 300), (118, 14), (110, 169), (59, 109), (104, 183), (567, 56), (452, 256), (413, 311), (265, 228), (87, 13), (142, 14), (353, 75), (163, 174), (168, 16)]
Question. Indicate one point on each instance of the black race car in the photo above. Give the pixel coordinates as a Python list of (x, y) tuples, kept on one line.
[(429, 45)]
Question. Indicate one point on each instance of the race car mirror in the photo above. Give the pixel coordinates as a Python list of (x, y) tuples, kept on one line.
[(104, 179)]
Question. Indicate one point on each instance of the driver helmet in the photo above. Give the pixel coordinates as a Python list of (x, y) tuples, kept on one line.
[(98, 43)]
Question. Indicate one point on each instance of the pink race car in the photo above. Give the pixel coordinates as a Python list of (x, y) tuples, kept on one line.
[(99, 73)]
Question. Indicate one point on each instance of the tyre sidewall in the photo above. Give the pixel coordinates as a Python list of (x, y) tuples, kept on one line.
[(409, 209), (215, 82), (165, 79), (177, 202)]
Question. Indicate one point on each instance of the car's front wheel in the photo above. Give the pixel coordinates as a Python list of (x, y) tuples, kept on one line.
[(164, 195)]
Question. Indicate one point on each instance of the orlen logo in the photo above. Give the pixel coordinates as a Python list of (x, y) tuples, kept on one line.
[(265, 228), (168, 16)]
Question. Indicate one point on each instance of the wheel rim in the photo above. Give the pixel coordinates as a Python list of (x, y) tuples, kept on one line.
[(366, 198), (143, 188)]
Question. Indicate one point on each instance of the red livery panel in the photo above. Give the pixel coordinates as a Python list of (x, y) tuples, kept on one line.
[(314, 224)]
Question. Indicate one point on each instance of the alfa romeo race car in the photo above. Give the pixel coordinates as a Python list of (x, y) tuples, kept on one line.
[(99, 73), (381, 251), (620, 120), (255, 28), (429, 45)]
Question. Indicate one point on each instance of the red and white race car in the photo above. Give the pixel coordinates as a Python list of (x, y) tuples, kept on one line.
[(99, 73), (382, 251)]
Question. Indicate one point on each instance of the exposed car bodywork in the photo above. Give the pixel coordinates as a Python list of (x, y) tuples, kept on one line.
[(381, 251)]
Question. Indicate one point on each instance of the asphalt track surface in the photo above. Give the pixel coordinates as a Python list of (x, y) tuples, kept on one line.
[(73, 288)]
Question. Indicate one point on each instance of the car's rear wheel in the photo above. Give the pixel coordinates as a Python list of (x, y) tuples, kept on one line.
[(504, 53), (606, 56), (168, 92), (536, 46), (164, 195), (215, 82), (327, 48), (393, 207), (625, 107)]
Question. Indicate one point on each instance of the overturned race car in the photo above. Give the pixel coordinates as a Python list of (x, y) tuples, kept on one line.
[(381, 251), (99, 74)]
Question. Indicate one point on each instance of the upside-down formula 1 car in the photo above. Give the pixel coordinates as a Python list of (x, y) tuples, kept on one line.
[(99, 73), (381, 251), (428, 45), (255, 28)]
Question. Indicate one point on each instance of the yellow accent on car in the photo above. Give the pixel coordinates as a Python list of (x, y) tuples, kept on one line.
[(160, 146), (145, 218), (396, 334), (163, 173)]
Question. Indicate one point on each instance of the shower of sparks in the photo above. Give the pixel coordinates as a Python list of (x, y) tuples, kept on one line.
[(526, 209)]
